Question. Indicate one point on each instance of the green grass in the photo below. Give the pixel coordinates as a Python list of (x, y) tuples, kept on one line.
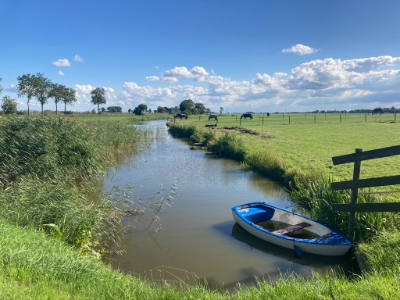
[(34, 266), (42, 209)]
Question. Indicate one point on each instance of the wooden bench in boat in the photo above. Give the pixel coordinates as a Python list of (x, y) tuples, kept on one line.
[(291, 229)]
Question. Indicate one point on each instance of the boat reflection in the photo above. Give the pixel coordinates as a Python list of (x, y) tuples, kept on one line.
[(311, 260)]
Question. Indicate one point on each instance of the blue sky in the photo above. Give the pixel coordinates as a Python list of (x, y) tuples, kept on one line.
[(242, 55)]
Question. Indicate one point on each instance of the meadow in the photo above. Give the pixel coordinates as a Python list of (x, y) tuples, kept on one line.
[(53, 236)]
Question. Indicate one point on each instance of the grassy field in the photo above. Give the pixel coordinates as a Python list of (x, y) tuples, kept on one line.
[(49, 228), (306, 144)]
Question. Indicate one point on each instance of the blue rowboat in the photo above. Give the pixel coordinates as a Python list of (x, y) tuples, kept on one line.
[(290, 230)]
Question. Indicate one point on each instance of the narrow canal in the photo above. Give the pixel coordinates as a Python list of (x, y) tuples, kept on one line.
[(197, 239)]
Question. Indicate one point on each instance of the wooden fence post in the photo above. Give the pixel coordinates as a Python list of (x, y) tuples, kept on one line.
[(315, 119), (354, 195), (340, 118), (289, 120)]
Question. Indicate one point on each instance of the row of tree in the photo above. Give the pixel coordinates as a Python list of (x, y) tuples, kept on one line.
[(39, 87)]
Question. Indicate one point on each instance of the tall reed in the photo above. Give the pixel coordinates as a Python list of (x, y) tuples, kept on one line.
[(48, 165)]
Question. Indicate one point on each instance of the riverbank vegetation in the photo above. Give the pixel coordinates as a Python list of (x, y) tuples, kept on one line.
[(299, 157), (52, 235)]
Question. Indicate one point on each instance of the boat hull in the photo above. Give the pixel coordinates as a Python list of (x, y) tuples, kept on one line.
[(333, 245)]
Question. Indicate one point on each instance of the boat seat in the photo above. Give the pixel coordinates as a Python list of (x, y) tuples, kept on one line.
[(291, 229)]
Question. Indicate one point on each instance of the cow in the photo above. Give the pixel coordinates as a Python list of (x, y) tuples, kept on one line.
[(181, 116), (377, 110), (215, 117), (247, 115)]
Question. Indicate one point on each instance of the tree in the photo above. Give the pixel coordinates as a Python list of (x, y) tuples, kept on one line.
[(57, 92), (201, 109), (69, 97), (98, 97), (186, 105), (26, 87), (221, 109), (140, 109), (41, 86), (114, 109), (161, 109), (103, 109), (9, 105)]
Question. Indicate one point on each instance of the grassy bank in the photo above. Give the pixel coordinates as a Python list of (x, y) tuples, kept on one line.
[(49, 166), (299, 157), (33, 266)]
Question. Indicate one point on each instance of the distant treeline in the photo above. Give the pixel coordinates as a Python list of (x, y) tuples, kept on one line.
[(385, 110)]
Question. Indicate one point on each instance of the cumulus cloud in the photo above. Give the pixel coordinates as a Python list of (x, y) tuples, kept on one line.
[(183, 72), (78, 58), (62, 63), (316, 83), (300, 49), (152, 78), (60, 73), (170, 80)]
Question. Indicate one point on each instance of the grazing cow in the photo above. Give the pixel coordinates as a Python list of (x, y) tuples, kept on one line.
[(377, 110), (267, 114), (247, 115), (181, 116), (215, 117)]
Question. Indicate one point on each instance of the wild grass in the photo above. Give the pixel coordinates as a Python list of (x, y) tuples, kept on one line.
[(318, 197), (33, 266), (228, 145), (181, 130), (383, 254), (48, 165)]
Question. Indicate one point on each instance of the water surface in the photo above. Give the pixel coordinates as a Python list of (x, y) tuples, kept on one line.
[(197, 237)]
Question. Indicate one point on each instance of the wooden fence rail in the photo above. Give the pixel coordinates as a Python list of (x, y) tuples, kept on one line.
[(357, 183)]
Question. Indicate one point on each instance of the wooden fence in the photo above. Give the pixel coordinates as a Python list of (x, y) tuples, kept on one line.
[(357, 183)]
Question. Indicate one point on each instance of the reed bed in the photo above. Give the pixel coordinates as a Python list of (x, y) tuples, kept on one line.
[(49, 165)]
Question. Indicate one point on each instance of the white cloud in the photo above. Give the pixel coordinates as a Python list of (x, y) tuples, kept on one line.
[(62, 63), (60, 73), (183, 72), (108, 89), (83, 89), (300, 49), (152, 78), (78, 58), (170, 80), (316, 84), (13, 88)]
